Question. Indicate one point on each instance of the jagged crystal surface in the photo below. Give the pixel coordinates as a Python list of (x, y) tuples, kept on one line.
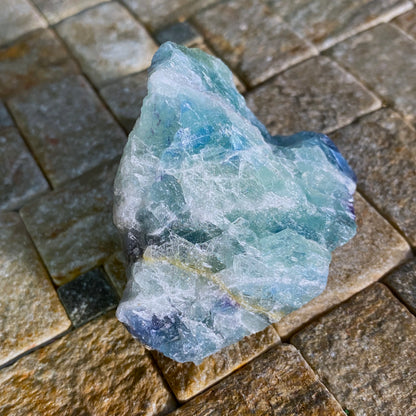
[(227, 229)]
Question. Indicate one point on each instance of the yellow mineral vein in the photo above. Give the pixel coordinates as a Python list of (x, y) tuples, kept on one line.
[(214, 278)]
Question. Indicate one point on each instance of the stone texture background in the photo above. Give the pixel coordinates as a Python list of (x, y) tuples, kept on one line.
[(72, 79)]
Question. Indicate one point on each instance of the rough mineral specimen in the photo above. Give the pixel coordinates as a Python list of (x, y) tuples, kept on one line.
[(227, 229)]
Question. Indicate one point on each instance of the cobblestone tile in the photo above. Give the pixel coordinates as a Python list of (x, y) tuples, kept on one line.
[(157, 14), (187, 379), (35, 58), (381, 148), (182, 33), (253, 53), (279, 382), (18, 17), (57, 10), (125, 98), (407, 22), (115, 267), (67, 127), (384, 58), (21, 178), (108, 42), (30, 311), (325, 23), (316, 95), (87, 297), (97, 370), (375, 250), (72, 227), (5, 119), (365, 352), (403, 283)]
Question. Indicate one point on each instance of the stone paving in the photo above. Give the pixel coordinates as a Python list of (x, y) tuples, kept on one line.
[(72, 79)]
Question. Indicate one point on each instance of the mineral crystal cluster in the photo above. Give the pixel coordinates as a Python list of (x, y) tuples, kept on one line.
[(226, 228)]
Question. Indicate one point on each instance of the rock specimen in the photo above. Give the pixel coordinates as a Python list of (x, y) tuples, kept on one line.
[(227, 229)]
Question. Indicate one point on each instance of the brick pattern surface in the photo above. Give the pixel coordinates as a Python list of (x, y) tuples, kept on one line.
[(365, 352), (21, 177), (30, 312), (33, 59), (402, 282), (381, 148), (18, 17), (315, 95), (67, 128), (72, 227), (325, 23), (187, 379), (108, 42), (73, 76), (98, 370), (407, 22), (57, 10), (158, 14), (384, 58), (283, 385), (255, 54)]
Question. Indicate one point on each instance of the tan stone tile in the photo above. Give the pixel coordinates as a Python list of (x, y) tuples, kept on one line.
[(18, 17), (68, 129), (384, 58), (325, 23), (20, 177), (30, 311), (72, 227), (279, 382), (315, 95), (254, 54), (376, 249), (35, 58), (364, 351), (381, 149), (108, 42), (97, 370), (157, 14), (402, 282), (56, 10), (407, 22), (187, 379)]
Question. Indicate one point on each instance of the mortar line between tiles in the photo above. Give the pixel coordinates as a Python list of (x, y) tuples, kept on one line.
[(39, 256), (210, 386), (395, 293), (316, 318), (91, 84), (96, 90), (356, 74), (315, 372), (387, 218), (138, 20), (159, 371), (28, 146), (37, 347)]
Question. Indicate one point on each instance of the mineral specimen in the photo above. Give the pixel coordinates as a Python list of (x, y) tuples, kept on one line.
[(227, 229)]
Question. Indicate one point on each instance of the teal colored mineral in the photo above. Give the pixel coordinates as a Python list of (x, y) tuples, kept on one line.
[(227, 229)]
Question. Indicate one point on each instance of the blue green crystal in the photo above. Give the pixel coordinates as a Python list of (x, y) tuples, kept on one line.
[(227, 229)]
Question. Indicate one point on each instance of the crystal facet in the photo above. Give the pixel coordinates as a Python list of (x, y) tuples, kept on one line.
[(227, 229)]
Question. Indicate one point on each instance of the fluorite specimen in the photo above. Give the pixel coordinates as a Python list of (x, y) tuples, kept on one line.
[(227, 229)]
